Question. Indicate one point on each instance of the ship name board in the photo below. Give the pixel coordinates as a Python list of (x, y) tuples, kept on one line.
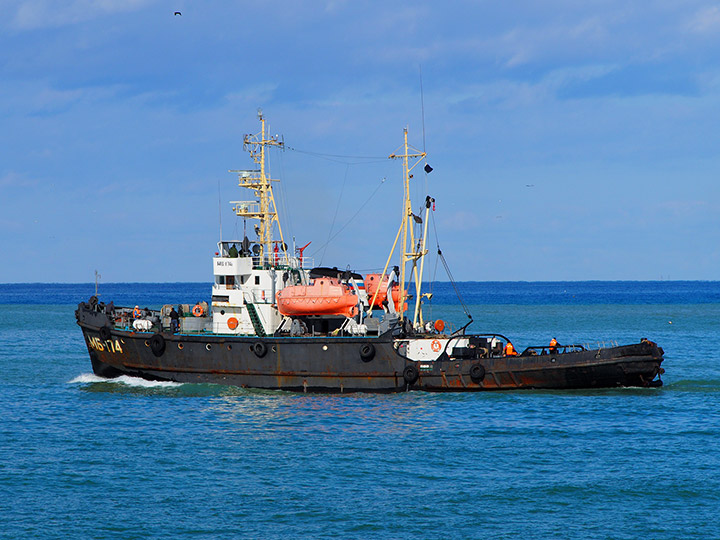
[(105, 345)]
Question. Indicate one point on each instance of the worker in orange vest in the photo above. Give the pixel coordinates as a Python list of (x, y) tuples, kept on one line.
[(553, 345), (510, 350)]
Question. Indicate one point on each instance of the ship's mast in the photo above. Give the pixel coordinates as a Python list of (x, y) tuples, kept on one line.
[(410, 253), (264, 209)]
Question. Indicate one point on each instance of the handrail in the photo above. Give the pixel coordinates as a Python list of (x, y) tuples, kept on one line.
[(560, 349)]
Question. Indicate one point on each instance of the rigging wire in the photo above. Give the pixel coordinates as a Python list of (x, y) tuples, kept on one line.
[(369, 159), (337, 208), (422, 106), (452, 279), (283, 200), (422, 111), (351, 219)]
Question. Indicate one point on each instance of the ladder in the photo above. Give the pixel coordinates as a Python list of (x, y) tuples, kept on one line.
[(255, 319)]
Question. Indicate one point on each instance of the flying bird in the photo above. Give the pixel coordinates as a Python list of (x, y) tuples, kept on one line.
[(178, 13)]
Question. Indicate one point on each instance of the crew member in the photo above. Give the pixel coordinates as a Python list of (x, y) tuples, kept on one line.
[(553, 346), (174, 320), (510, 350), (137, 313)]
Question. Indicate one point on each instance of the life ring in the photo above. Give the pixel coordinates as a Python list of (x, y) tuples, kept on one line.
[(436, 345), (477, 372), (259, 348), (157, 345), (232, 323), (367, 352), (198, 310), (411, 374)]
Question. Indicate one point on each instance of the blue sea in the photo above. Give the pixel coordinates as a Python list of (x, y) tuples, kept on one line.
[(88, 458)]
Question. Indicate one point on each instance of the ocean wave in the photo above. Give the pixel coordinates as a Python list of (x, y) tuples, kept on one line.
[(137, 382)]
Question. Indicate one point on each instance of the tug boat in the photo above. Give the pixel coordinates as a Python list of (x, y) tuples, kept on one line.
[(275, 321)]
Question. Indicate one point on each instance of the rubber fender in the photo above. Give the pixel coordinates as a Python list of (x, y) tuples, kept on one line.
[(259, 348), (477, 372), (411, 374), (104, 333), (367, 352), (157, 344)]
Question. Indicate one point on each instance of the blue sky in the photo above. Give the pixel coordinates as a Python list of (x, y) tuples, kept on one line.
[(570, 140)]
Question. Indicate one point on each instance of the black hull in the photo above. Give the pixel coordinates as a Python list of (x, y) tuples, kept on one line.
[(335, 364)]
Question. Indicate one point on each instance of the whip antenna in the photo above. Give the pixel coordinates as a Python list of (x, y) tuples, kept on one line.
[(220, 210), (422, 106)]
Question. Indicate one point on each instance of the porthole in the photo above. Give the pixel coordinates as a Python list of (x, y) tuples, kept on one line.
[(180, 346), (208, 347)]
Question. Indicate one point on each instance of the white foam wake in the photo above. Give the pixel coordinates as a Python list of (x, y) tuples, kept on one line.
[(87, 378)]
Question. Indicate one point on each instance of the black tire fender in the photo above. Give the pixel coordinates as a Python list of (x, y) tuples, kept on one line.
[(259, 348), (411, 374), (104, 333), (477, 372), (367, 352), (157, 344)]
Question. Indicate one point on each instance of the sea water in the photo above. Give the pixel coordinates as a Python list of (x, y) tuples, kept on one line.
[(84, 457)]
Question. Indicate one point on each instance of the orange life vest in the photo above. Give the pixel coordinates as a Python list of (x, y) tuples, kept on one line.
[(510, 350)]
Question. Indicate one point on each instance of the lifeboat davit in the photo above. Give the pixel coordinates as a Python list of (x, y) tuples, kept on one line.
[(372, 282), (325, 296)]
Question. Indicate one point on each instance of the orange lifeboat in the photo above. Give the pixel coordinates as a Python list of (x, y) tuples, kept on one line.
[(325, 296), (372, 282)]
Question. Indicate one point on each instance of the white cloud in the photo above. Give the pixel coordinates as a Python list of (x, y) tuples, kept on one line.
[(15, 180), (29, 98), (33, 14), (705, 21), (460, 221)]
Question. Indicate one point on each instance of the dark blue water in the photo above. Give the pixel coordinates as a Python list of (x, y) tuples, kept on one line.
[(84, 457)]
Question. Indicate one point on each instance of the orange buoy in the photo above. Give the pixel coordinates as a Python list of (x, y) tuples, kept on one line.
[(232, 323), (439, 325)]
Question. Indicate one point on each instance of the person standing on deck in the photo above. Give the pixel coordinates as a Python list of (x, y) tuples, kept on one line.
[(510, 350), (174, 320)]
